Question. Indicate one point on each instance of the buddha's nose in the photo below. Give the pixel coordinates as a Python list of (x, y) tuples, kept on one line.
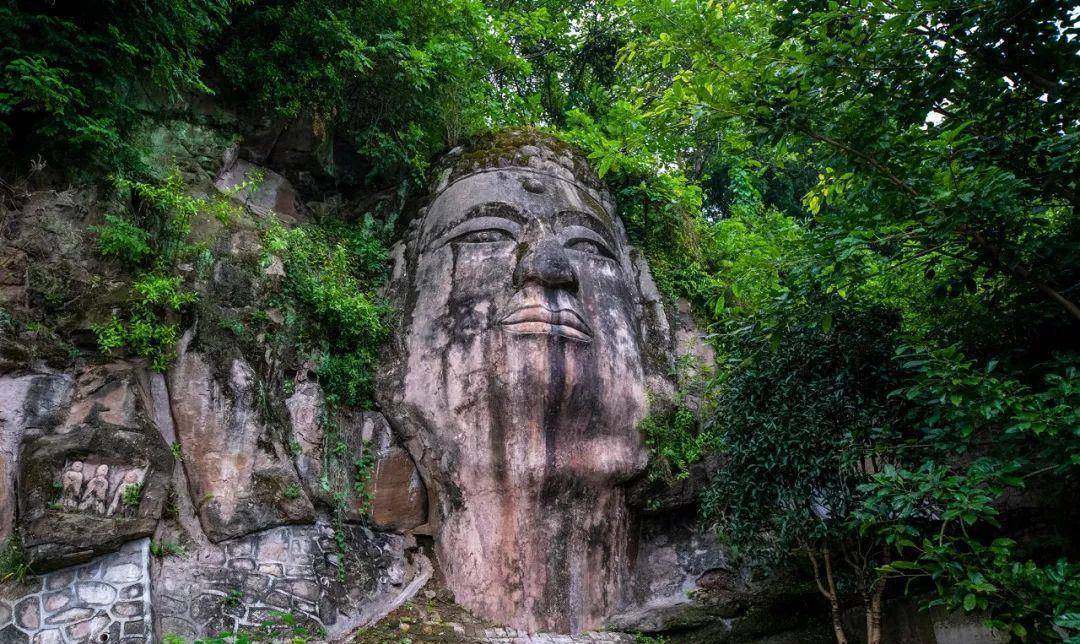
[(546, 264)]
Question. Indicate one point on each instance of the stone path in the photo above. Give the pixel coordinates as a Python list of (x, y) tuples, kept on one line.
[(510, 636), (106, 600)]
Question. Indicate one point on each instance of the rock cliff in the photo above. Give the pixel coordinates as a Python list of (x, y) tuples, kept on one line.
[(175, 463)]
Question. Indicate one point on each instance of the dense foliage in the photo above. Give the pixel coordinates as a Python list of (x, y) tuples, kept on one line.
[(331, 271), (934, 146), (149, 237), (871, 204), (75, 76), (396, 79)]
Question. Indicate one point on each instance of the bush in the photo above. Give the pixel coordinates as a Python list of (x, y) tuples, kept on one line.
[(123, 240), (332, 274), (143, 328), (794, 419), (349, 379), (674, 443), (152, 233), (13, 566)]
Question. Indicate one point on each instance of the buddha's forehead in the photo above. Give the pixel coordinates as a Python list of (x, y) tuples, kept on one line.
[(531, 194)]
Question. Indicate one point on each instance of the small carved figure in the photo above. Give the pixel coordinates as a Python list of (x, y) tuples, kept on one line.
[(119, 501), (71, 486), (96, 495)]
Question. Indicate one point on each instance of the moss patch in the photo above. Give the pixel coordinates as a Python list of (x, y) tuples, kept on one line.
[(507, 148)]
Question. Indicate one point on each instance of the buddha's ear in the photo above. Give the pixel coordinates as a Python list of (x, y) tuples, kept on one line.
[(657, 341), (399, 272)]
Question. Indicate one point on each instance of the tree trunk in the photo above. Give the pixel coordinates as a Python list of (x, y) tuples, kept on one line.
[(828, 589), (873, 616), (873, 605), (838, 623)]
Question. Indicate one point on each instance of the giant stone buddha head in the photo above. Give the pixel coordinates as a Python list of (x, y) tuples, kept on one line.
[(520, 376)]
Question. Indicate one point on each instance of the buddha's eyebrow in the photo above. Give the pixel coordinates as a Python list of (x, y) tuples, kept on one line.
[(589, 220), (489, 209)]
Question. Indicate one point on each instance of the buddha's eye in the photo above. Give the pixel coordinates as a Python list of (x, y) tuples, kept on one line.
[(589, 248), (483, 236)]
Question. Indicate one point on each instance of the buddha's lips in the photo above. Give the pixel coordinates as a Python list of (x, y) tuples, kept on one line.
[(539, 319)]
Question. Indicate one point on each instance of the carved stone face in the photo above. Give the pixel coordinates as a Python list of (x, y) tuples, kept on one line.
[(519, 379), (102, 470), (76, 466), (523, 348)]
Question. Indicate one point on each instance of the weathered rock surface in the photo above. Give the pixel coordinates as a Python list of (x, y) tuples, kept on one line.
[(673, 559), (106, 600), (301, 149), (262, 190), (520, 378), (98, 476), (396, 496), (34, 400), (50, 274), (239, 475), (399, 496), (302, 570), (683, 584), (307, 413)]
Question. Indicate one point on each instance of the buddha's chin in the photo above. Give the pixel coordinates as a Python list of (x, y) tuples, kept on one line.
[(604, 462), (586, 468)]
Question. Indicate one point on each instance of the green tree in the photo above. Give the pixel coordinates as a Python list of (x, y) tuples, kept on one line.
[(799, 423), (395, 81), (927, 153), (74, 76), (942, 134)]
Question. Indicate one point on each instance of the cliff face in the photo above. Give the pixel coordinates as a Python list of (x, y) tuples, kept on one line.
[(204, 491), (178, 454)]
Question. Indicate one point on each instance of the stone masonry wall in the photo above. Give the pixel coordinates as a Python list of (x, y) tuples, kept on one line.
[(106, 600), (299, 570)]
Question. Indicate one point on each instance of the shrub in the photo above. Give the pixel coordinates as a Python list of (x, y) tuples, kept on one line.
[(674, 443), (292, 491), (332, 273), (143, 329), (160, 548), (152, 233), (348, 379), (132, 495), (13, 565), (122, 239)]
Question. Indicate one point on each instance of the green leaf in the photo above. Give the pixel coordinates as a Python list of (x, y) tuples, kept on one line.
[(1068, 620)]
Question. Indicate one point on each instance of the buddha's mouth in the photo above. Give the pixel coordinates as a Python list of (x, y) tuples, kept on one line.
[(567, 323)]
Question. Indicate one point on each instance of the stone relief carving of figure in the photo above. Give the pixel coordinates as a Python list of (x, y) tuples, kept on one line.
[(71, 486), (520, 380), (131, 481), (96, 494)]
